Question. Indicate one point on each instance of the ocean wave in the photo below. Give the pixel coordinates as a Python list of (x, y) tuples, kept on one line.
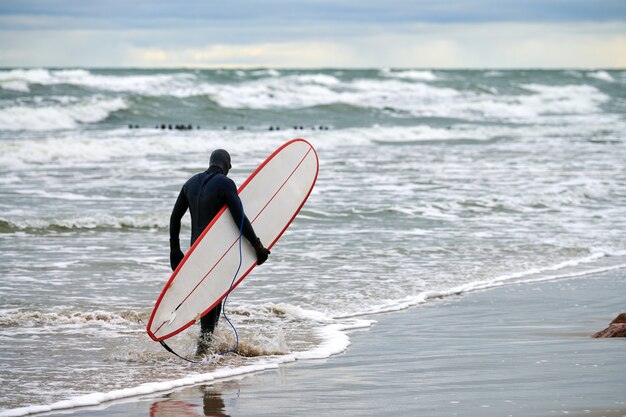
[(265, 72), (303, 90), (591, 264), (477, 133), (601, 75), (69, 149), (55, 117), (493, 73), (423, 75), (411, 98), (484, 206), (34, 318), (566, 99), (568, 269), (182, 84), (300, 91), (21, 79), (97, 222), (424, 133), (405, 92)]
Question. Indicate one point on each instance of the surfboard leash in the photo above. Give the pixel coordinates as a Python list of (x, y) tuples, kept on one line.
[(170, 350)]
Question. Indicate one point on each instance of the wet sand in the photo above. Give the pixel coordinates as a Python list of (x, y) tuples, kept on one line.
[(521, 350)]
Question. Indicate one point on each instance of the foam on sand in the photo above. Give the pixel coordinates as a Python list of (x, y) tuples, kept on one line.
[(587, 265), (334, 342)]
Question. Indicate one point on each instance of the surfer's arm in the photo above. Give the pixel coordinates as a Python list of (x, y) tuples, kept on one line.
[(260, 250), (229, 194), (180, 207), (236, 209)]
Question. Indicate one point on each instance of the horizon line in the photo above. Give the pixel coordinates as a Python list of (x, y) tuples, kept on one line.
[(338, 68)]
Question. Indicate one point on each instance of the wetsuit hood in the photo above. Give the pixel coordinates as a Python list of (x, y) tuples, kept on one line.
[(220, 158)]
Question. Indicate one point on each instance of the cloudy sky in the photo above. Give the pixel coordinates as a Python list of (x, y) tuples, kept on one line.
[(314, 33)]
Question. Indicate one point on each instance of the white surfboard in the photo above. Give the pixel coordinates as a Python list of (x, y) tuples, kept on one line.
[(272, 197)]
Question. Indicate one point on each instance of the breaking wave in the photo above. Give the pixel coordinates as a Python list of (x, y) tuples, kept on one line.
[(410, 75), (9, 319), (400, 92), (177, 84), (99, 222), (55, 117)]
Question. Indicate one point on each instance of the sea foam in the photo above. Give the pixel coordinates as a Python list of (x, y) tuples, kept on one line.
[(601, 75), (408, 96), (85, 222), (567, 269), (175, 84), (41, 118), (405, 92), (333, 337), (334, 340), (410, 75)]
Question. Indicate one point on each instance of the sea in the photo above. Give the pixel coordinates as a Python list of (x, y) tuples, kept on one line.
[(432, 184)]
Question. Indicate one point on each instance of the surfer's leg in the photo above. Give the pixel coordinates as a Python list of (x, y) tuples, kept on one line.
[(209, 321), (207, 327)]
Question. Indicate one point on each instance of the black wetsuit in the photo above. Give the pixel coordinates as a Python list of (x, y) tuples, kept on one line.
[(204, 195)]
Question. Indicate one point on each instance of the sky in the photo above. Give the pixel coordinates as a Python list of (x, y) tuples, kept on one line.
[(314, 33)]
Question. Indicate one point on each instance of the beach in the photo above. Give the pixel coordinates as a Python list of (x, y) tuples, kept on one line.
[(454, 215), (521, 350)]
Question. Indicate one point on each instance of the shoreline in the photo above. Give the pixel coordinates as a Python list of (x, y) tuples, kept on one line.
[(436, 349)]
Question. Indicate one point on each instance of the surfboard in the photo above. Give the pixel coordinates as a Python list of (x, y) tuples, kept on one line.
[(272, 196)]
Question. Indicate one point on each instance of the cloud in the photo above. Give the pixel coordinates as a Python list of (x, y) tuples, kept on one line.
[(139, 14), (497, 45), (323, 33), (285, 54)]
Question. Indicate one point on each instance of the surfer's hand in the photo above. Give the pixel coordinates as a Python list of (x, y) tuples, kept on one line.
[(176, 255), (262, 252)]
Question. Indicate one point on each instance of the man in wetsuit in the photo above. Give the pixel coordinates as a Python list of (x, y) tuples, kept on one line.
[(204, 195)]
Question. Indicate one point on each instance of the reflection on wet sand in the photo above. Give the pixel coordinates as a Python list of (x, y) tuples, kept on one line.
[(212, 405)]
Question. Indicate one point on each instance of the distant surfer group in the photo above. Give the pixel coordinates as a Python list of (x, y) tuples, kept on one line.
[(167, 127), (191, 127), (300, 127)]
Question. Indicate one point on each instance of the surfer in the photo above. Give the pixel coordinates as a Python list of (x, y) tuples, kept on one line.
[(204, 195)]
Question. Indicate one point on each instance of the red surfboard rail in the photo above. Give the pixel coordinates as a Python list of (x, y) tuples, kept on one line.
[(208, 228)]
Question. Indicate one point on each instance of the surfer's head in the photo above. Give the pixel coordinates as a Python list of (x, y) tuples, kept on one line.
[(220, 158)]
